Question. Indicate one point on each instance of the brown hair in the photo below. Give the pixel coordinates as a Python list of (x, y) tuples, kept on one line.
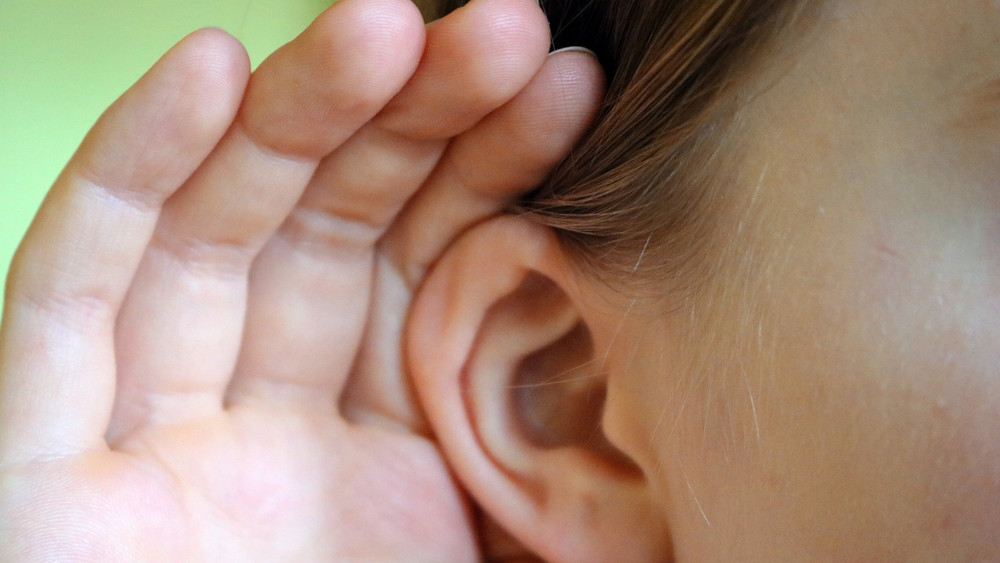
[(639, 197)]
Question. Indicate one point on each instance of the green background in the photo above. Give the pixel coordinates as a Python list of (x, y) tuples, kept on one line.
[(62, 62)]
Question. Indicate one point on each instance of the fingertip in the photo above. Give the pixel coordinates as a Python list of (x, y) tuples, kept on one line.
[(385, 30), (218, 51), (513, 35), (213, 41), (393, 35), (157, 133), (582, 65), (212, 68), (578, 74), (555, 109), (315, 92), (476, 59)]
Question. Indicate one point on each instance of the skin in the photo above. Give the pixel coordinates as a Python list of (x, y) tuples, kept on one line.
[(834, 397), (839, 397), (199, 357)]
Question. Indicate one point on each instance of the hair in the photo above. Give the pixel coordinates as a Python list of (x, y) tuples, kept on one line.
[(642, 195)]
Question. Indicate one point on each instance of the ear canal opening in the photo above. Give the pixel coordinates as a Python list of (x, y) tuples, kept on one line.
[(556, 392), (559, 390)]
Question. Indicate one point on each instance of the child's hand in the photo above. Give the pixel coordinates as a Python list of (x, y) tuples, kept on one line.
[(196, 293)]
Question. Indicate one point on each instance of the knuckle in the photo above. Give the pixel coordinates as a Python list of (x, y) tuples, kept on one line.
[(219, 258), (80, 309), (321, 232)]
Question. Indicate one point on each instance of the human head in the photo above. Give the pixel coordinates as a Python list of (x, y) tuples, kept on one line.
[(774, 256)]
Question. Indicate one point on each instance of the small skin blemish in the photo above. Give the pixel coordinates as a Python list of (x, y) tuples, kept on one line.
[(945, 523), (941, 410), (890, 254)]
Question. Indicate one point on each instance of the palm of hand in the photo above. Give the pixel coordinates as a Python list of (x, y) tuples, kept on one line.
[(248, 486), (192, 372)]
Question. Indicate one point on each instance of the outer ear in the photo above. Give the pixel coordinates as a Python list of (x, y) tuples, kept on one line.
[(502, 353)]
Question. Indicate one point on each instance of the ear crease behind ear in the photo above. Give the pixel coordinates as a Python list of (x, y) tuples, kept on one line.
[(504, 362)]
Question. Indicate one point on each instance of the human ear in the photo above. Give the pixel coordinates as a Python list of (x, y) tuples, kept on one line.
[(504, 351)]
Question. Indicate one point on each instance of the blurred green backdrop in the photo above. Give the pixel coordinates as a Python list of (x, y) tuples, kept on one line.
[(62, 62)]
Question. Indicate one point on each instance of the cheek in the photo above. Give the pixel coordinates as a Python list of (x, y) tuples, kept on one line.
[(946, 396), (964, 466), (928, 347), (905, 461), (856, 416), (880, 400)]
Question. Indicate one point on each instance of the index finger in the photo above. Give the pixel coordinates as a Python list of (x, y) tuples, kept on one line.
[(75, 265)]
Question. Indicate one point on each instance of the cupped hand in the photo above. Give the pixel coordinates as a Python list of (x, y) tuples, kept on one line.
[(199, 357)]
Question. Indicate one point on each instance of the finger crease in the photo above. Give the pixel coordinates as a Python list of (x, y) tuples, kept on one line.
[(220, 258), (320, 231)]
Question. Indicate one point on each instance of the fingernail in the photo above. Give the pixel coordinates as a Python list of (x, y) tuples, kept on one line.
[(575, 48)]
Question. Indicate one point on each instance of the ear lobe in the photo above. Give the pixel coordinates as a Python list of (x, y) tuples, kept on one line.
[(501, 352)]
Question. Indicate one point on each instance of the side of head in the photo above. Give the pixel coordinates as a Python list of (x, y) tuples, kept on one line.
[(755, 314)]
